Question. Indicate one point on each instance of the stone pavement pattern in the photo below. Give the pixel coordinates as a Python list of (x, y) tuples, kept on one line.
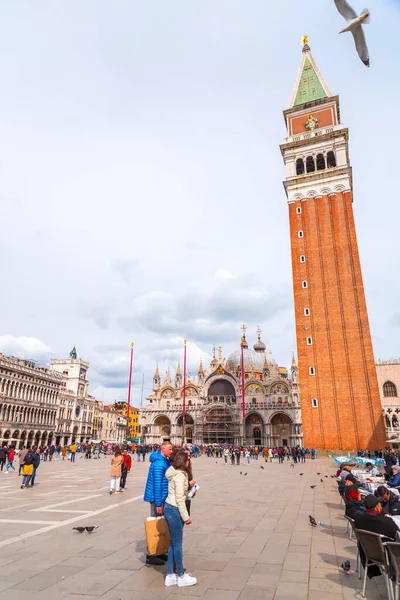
[(250, 538)]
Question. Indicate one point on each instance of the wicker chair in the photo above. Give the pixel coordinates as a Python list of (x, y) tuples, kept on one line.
[(393, 551), (371, 544)]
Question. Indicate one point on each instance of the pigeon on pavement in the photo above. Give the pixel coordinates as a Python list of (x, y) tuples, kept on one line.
[(80, 529), (91, 528), (313, 522)]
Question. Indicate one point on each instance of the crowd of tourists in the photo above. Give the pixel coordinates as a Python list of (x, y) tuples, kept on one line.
[(367, 510)]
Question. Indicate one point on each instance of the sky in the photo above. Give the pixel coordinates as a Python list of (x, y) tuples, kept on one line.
[(141, 178)]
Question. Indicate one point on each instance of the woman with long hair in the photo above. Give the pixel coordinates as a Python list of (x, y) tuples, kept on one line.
[(116, 471), (176, 515)]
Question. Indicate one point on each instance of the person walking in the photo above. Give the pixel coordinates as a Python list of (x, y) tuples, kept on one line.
[(176, 515), (3, 456), (247, 456), (64, 451), (73, 450), (116, 471), (36, 463), (27, 468), (126, 467), (21, 457), (10, 459), (270, 455), (156, 490)]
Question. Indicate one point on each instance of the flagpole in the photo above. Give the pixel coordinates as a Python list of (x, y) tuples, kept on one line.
[(129, 389), (184, 391)]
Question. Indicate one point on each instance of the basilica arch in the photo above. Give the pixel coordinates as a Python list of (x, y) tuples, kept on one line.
[(254, 429), (281, 433), (162, 428), (221, 391)]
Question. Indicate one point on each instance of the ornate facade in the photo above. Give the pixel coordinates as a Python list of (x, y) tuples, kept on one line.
[(388, 372), (29, 397), (214, 403)]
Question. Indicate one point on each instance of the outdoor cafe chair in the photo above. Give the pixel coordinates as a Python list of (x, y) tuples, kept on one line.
[(374, 551), (393, 551)]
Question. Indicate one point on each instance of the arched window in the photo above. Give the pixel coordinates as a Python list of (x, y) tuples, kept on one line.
[(320, 162), (389, 390), (310, 165), (299, 166), (331, 159)]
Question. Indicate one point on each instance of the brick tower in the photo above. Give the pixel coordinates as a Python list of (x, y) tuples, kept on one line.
[(341, 408)]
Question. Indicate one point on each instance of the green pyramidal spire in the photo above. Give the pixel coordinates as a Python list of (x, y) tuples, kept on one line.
[(310, 87), (310, 84)]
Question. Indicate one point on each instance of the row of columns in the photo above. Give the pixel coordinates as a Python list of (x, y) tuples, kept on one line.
[(24, 439), (25, 415), (27, 391)]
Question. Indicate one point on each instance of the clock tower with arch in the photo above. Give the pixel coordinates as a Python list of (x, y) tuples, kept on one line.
[(340, 401)]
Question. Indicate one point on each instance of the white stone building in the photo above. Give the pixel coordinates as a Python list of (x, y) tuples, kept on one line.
[(214, 411), (29, 397), (76, 407), (388, 372)]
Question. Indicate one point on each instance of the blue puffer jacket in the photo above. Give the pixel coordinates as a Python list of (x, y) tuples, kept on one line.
[(157, 484)]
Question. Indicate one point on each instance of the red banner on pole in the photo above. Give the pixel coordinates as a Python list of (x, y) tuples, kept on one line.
[(184, 385), (242, 369), (129, 387)]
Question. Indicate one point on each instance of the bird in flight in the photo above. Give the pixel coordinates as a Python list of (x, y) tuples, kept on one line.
[(355, 26), (312, 486), (313, 522), (261, 467)]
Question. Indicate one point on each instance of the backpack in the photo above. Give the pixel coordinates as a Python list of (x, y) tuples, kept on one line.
[(28, 459)]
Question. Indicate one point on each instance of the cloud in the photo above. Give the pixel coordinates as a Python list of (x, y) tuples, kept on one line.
[(223, 274), (25, 347)]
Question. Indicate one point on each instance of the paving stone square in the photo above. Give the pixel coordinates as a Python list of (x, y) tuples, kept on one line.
[(250, 538)]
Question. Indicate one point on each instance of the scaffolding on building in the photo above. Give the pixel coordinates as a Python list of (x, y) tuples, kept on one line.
[(218, 426)]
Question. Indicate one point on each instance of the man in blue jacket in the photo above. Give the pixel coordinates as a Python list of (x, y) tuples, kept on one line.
[(156, 490)]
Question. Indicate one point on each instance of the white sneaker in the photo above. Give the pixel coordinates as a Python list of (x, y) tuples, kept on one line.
[(186, 580), (171, 580)]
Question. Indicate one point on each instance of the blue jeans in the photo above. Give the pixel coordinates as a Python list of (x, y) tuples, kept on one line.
[(72, 456), (32, 481), (175, 526), (10, 465)]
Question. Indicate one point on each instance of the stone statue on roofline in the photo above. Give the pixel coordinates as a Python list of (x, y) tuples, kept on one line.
[(73, 353)]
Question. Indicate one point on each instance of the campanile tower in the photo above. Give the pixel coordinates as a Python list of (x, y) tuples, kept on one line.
[(340, 402)]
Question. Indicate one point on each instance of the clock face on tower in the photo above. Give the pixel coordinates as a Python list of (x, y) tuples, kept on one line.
[(77, 411)]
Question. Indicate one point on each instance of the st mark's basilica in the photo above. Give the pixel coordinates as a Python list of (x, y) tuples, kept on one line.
[(214, 402)]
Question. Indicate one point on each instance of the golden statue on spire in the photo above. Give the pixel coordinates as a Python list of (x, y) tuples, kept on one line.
[(304, 40)]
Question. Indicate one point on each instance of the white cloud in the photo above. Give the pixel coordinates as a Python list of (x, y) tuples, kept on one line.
[(25, 347), (223, 274)]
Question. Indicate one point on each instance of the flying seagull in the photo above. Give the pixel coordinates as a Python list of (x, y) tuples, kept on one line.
[(354, 25)]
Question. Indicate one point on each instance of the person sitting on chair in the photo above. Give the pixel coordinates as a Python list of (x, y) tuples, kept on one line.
[(395, 479), (390, 502), (353, 501), (372, 519)]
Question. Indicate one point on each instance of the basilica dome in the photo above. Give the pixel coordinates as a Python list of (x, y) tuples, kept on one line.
[(253, 361)]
